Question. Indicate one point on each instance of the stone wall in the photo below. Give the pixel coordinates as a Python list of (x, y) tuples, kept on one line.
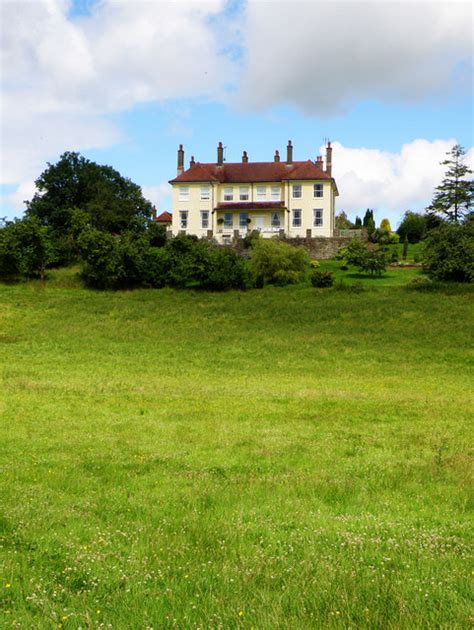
[(321, 247)]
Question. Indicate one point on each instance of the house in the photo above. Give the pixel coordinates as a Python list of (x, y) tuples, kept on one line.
[(164, 219), (225, 199)]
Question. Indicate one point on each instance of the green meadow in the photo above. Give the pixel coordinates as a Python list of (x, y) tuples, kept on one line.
[(278, 458)]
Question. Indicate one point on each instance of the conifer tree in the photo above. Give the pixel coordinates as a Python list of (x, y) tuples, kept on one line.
[(454, 197)]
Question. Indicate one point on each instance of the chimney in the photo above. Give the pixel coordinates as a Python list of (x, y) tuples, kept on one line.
[(245, 157), (192, 162), (220, 154), (277, 156), (180, 159), (289, 153), (319, 162), (329, 159)]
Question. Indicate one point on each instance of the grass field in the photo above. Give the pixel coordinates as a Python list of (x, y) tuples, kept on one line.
[(282, 458)]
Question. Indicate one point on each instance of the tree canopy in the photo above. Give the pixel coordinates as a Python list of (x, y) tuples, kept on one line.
[(107, 200), (454, 197)]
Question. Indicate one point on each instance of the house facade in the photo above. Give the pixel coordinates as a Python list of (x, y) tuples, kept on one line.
[(224, 200)]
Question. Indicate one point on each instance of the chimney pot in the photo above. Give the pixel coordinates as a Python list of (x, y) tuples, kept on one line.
[(289, 153), (245, 157), (192, 161), (277, 156)]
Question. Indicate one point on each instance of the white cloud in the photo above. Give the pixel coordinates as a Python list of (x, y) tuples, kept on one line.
[(390, 182), (159, 196), (62, 75), (324, 56)]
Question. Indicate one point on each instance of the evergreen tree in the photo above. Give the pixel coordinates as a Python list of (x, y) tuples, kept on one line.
[(369, 214), (454, 197), (358, 222)]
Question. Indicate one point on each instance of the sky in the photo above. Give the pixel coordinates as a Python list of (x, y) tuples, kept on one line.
[(125, 82)]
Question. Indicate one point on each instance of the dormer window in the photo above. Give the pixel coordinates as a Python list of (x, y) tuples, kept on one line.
[(184, 193)]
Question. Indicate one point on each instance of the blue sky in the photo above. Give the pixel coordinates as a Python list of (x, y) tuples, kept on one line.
[(124, 83)]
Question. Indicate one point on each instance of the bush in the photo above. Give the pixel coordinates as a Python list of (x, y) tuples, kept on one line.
[(322, 279), (359, 255), (226, 270), (448, 252), (274, 262), (26, 248)]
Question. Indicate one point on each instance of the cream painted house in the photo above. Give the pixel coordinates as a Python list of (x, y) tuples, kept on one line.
[(224, 200)]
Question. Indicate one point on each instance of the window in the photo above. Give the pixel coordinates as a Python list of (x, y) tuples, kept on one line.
[(318, 217), (228, 194), (183, 219), (296, 218), (228, 220), (244, 193), (318, 190), (243, 219), (297, 194), (204, 219), (276, 193), (275, 219), (184, 193), (261, 193), (205, 193)]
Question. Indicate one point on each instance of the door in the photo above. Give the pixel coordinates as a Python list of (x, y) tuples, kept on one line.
[(259, 223)]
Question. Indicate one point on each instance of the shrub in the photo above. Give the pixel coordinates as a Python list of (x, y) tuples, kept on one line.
[(359, 255), (26, 248), (226, 270), (322, 279), (448, 252), (274, 262), (155, 267), (394, 256)]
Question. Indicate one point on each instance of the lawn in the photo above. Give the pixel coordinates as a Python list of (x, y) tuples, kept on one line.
[(282, 458)]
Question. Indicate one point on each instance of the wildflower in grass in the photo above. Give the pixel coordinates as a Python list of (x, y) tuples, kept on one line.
[(8, 585), (241, 613)]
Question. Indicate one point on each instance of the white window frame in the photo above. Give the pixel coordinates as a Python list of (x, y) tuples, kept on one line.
[(228, 194), (244, 193), (183, 219), (205, 219), (276, 193), (184, 193), (318, 214), (296, 222), (318, 191), (205, 193), (243, 223), (228, 224), (297, 191), (275, 223), (261, 193)]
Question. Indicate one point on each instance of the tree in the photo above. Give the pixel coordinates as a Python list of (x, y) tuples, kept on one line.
[(372, 260), (104, 199), (385, 225), (455, 195), (358, 222), (342, 222), (369, 214), (448, 252), (26, 248), (412, 227)]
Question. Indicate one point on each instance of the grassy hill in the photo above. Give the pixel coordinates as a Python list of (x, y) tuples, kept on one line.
[(282, 458)]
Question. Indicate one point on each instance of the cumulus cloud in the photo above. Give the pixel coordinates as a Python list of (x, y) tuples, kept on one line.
[(390, 182), (61, 75), (158, 195), (324, 56)]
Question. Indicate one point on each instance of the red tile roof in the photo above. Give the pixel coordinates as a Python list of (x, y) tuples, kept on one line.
[(164, 217), (249, 172), (249, 205)]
